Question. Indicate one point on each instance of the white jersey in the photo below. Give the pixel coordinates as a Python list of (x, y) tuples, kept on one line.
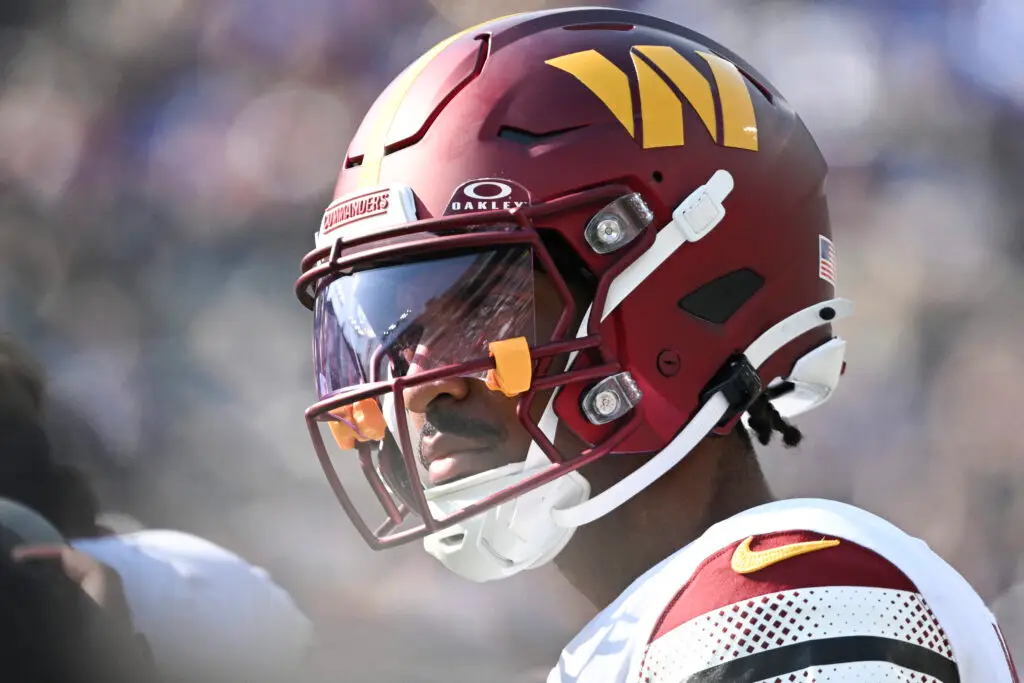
[(806, 591), (207, 614)]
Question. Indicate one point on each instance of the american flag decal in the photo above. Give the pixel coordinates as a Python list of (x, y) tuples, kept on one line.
[(826, 260)]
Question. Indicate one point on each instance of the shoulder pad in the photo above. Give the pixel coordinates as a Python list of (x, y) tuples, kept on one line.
[(798, 604)]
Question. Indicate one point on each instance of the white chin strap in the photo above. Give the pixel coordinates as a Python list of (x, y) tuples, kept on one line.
[(530, 530), (710, 414)]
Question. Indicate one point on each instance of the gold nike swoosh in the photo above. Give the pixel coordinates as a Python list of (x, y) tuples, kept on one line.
[(747, 561)]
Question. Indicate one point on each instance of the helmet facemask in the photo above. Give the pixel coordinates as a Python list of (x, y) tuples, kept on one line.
[(387, 326)]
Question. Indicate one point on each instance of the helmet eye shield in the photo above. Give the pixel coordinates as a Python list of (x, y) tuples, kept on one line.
[(396, 320)]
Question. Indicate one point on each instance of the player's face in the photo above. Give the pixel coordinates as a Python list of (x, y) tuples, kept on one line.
[(464, 428), (402, 320)]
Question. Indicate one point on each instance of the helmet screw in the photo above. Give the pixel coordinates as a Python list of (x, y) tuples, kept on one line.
[(610, 399), (668, 363), (606, 403), (609, 231)]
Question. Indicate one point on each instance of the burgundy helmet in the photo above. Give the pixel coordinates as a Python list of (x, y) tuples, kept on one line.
[(605, 220)]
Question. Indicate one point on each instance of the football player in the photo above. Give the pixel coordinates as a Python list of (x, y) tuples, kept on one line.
[(576, 259)]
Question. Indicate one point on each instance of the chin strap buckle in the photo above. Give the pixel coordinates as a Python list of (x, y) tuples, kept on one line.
[(739, 383)]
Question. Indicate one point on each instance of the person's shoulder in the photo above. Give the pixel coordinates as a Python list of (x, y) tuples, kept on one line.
[(203, 606), (808, 589), (202, 567), (160, 541), (772, 601)]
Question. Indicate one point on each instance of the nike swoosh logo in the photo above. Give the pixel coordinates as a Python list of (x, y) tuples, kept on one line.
[(747, 561)]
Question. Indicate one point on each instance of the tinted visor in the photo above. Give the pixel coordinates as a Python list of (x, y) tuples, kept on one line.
[(397, 320)]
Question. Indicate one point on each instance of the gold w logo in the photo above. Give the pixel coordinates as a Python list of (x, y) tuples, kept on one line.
[(661, 108)]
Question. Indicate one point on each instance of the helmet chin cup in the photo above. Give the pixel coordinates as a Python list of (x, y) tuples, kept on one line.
[(513, 536)]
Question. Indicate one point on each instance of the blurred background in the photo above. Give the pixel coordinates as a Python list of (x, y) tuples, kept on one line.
[(165, 163)]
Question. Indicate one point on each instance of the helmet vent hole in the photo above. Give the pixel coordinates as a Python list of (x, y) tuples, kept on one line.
[(757, 84), (718, 300), (657, 177), (453, 540), (761, 87), (529, 138)]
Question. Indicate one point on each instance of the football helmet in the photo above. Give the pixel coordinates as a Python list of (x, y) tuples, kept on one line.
[(513, 166)]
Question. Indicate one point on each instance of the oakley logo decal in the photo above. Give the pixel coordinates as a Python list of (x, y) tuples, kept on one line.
[(487, 189), (487, 194)]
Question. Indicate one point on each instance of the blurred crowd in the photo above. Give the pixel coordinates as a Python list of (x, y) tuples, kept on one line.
[(163, 167)]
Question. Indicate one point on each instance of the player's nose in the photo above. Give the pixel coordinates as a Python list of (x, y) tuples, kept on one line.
[(419, 397)]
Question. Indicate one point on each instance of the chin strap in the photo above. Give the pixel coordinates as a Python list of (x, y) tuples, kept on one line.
[(710, 414), (529, 531)]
